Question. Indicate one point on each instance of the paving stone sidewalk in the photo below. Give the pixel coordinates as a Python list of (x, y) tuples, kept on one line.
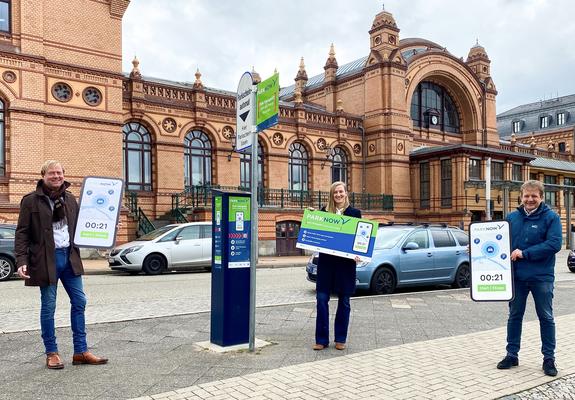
[(460, 367), (430, 344)]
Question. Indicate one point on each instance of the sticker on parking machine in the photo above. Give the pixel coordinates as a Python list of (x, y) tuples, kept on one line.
[(491, 268)]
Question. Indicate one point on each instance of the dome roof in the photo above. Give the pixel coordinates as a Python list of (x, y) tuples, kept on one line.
[(476, 52)]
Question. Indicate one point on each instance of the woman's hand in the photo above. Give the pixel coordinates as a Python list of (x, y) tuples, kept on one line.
[(357, 259)]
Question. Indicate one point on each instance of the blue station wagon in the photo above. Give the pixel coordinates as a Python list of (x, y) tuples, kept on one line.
[(411, 255)]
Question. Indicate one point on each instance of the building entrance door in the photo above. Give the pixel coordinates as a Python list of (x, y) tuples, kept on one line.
[(286, 238)]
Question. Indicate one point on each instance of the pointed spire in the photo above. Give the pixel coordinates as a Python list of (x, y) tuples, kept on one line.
[(198, 83), (301, 73), (255, 76), (331, 61), (135, 70)]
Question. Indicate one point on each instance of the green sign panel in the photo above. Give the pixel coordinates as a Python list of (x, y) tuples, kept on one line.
[(218, 232), (267, 101)]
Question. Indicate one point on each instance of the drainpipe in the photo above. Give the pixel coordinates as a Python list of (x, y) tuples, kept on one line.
[(484, 115), (363, 153)]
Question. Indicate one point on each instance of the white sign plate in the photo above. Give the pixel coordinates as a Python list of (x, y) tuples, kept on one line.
[(491, 268), (100, 202), (245, 112)]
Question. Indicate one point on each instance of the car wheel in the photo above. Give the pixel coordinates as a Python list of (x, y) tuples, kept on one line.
[(154, 264), (572, 269), (7, 268), (383, 281), (462, 277)]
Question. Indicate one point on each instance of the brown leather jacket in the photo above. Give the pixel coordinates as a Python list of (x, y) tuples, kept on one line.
[(34, 244)]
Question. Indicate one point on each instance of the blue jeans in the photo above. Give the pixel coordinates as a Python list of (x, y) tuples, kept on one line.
[(73, 286), (542, 293), (322, 319)]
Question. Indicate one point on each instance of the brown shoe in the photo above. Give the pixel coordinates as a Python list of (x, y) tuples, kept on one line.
[(340, 346), (318, 346), (88, 358), (53, 361)]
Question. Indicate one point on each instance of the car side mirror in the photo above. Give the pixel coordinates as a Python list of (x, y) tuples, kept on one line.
[(411, 246), (178, 238)]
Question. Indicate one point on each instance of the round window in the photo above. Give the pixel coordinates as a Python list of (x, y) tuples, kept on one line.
[(92, 96), (62, 92)]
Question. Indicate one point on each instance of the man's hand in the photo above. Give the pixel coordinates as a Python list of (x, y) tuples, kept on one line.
[(22, 272), (516, 254)]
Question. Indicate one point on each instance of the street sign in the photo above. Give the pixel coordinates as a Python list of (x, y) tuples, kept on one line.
[(245, 112), (268, 102)]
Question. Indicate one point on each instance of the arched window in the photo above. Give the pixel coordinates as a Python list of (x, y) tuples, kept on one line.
[(298, 167), (137, 157), (246, 165), (338, 165), (197, 159), (432, 107)]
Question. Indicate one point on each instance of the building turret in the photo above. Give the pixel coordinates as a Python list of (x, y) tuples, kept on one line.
[(301, 77), (479, 62), (330, 66), (384, 35)]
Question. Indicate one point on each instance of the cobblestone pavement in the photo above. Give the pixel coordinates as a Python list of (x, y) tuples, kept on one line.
[(114, 298), (415, 345), (448, 368), (560, 389)]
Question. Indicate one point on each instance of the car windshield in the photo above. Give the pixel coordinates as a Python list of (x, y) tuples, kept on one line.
[(156, 233), (388, 237)]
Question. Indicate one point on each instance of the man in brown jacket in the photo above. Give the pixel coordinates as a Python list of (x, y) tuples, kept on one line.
[(45, 254)]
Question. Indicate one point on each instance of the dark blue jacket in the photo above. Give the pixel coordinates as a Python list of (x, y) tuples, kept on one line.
[(539, 237), (337, 274)]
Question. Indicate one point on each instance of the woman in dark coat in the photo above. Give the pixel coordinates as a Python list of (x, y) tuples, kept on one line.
[(335, 275)]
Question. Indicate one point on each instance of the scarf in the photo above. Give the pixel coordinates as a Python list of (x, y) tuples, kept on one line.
[(59, 211)]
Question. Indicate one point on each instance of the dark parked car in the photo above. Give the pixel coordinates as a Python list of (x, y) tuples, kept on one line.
[(571, 261), (7, 259), (411, 255)]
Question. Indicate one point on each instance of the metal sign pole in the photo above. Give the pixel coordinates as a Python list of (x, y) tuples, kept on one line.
[(254, 235)]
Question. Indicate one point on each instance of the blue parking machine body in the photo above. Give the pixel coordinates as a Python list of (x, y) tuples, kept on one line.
[(231, 244)]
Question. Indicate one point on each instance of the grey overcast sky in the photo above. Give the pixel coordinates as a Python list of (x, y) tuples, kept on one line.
[(529, 42)]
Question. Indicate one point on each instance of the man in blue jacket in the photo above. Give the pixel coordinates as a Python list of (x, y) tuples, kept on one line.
[(536, 236)]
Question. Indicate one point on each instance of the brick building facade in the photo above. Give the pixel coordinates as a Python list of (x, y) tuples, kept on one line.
[(409, 127)]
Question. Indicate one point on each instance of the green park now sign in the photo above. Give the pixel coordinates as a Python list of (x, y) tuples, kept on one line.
[(267, 101)]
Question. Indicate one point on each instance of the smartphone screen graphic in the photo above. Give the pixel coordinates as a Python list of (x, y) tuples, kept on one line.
[(239, 221), (362, 236)]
